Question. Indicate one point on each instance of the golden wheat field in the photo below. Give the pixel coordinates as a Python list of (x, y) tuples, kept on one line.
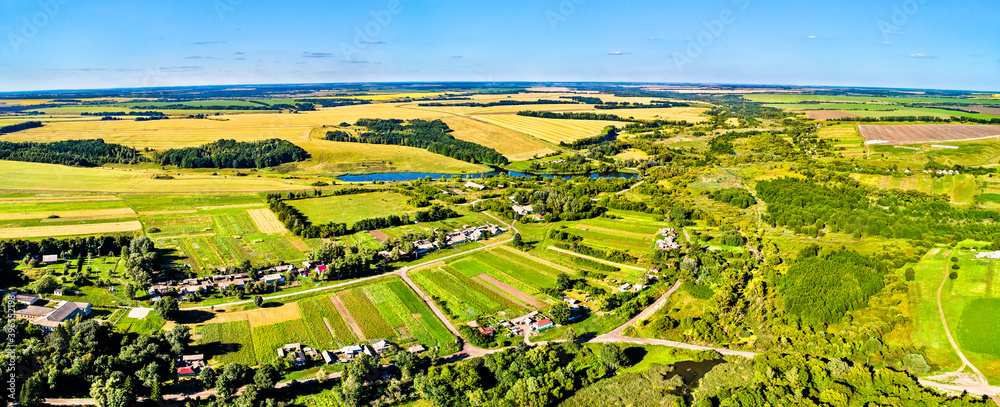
[(69, 230), (551, 130), (513, 145), (266, 221), (108, 213)]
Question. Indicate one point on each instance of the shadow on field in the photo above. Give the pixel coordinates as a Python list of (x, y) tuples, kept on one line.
[(213, 349), (193, 317)]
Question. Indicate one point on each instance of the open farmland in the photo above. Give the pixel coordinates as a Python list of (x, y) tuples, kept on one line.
[(979, 327), (69, 230), (513, 145), (460, 297), (689, 114), (266, 221), (923, 133), (551, 130), (228, 342), (828, 114), (352, 208), (96, 213), (23, 176), (334, 158)]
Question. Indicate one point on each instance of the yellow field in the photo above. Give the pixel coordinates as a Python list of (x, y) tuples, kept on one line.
[(266, 221), (260, 316), (69, 230), (111, 213), (42, 199), (164, 134), (330, 157), (22, 176), (690, 114), (513, 145), (846, 136), (551, 130)]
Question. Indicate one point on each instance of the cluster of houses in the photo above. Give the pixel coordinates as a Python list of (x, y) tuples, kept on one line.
[(941, 172), (48, 318), (526, 210), (533, 321), (669, 240), (223, 282), (458, 236), (299, 355)]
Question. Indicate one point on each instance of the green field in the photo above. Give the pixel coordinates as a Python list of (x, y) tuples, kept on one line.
[(461, 297), (352, 208), (268, 338), (786, 98), (979, 328), (229, 342)]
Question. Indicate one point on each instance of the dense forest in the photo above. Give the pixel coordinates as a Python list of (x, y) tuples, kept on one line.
[(821, 289), (609, 134), (234, 154), (845, 206), (651, 105), (79, 153), (737, 197), (429, 135), (20, 126)]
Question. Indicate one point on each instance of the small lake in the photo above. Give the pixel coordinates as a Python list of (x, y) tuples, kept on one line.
[(411, 176)]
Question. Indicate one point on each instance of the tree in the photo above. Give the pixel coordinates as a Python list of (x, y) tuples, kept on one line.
[(563, 282), (258, 301), (910, 274), (46, 284), (232, 377), (116, 391), (166, 307), (362, 367), (953, 275), (517, 241), (33, 390), (207, 377), (612, 356), (560, 313), (266, 377), (179, 336), (571, 337)]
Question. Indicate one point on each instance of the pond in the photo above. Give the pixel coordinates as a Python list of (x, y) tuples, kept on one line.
[(411, 176)]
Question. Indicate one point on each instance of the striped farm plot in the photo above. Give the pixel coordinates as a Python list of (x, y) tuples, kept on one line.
[(371, 322), (406, 315), (325, 325), (228, 342), (551, 130), (70, 230), (462, 298)]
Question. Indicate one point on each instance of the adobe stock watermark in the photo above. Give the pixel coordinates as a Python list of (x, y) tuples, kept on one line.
[(714, 29), (153, 77), (901, 14), (223, 7), (11, 330), (367, 36), (562, 13), (35, 23)]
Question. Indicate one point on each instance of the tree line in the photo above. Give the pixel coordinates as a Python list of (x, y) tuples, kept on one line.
[(651, 105), (609, 134), (78, 153), (501, 103), (20, 126), (300, 225), (737, 197), (570, 115), (429, 135), (234, 154)]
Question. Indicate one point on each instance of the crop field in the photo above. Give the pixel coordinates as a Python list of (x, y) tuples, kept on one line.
[(23, 176), (961, 188), (69, 230), (463, 299), (335, 158), (631, 222), (979, 328), (268, 338), (266, 221), (526, 271), (513, 145), (403, 314), (325, 324), (502, 281), (844, 136), (352, 208), (143, 203), (924, 133), (373, 325), (56, 199), (551, 130), (92, 213), (228, 342), (828, 114), (688, 114), (509, 290), (613, 239), (789, 98)]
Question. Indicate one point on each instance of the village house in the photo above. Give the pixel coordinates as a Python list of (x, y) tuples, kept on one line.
[(486, 331), (273, 278), (351, 351), (293, 351), (543, 325), (50, 258), (383, 346), (185, 372), (524, 210), (48, 318), (329, 357), (474, 185)]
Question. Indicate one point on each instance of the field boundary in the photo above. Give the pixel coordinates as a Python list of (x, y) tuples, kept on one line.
[(266, 221), (509, 291), (348, 318)]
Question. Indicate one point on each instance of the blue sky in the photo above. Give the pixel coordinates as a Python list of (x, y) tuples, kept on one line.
[(70, 44)]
